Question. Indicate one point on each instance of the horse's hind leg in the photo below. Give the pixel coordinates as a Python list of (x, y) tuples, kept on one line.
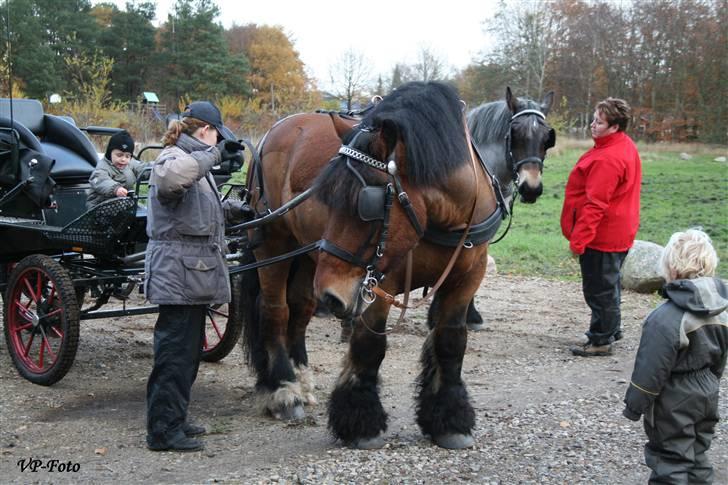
[(279, 391), (473, 318), (444, 411), (302, 305), (356, 415)]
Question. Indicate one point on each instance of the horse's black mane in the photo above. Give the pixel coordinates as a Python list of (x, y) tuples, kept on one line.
[(428, 117), (490, 122)]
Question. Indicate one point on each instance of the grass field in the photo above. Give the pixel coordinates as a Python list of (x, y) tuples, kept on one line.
[(676, 194)]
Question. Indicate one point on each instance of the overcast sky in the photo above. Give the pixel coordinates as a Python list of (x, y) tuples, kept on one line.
[(385, 31)]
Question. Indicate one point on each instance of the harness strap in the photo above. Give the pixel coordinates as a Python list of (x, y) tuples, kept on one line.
[(407, 206), (276, 259), (390, 298), (331, 248)]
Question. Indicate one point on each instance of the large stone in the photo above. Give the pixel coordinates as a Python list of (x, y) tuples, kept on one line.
[(720, 159), (685, 156), (641, 268)]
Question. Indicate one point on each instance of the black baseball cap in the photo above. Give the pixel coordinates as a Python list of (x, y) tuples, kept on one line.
[(208, 112)]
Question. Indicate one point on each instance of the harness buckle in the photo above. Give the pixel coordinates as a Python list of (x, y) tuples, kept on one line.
[(368, 285)]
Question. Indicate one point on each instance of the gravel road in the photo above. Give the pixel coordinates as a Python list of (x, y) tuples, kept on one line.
[(543, 416)]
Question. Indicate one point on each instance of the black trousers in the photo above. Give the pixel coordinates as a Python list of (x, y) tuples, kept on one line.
[(178, 337), (602, 292)]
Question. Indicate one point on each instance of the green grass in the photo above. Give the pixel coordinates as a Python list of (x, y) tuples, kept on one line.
[(676, 194)]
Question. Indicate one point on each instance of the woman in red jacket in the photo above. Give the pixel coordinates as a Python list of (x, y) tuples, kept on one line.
[(600, 218)]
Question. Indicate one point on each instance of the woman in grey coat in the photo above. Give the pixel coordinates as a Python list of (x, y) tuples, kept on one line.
[(185, 265)]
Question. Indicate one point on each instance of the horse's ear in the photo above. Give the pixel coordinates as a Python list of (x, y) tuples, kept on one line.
[(511, 101), (390, 135), (547, 102)]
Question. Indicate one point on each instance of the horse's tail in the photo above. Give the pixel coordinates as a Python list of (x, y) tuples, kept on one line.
[(253, 350)]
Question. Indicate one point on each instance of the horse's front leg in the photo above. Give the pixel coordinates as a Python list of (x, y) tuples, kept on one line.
[(279, 391), (356, 415), (444, 411)]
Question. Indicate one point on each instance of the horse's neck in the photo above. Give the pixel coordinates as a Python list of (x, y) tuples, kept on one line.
[(451, 206), (495, 158)]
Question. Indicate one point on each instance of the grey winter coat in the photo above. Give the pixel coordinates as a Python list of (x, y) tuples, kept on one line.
[(185, 262), (106, 178), (687, 333)]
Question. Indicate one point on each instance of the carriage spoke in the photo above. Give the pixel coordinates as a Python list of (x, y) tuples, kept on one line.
[(210, 311), (54, 312), (26, 348), (215, 326), (58, 333), (46, 343), (23, 312), (20, 328), (32, 294)]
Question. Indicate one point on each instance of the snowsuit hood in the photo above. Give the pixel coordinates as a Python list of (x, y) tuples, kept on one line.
[(705, 297)]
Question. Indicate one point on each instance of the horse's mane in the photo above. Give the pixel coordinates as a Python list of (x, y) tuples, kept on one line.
[(490, 122), (428, 117)]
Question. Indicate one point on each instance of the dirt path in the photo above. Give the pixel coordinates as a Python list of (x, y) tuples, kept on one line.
[(543, 416)]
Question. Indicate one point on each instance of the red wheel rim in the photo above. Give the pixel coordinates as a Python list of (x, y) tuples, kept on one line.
[(215, 326), (35, 320)]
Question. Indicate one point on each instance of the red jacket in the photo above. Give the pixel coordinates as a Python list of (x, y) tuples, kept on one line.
[(602, 200)]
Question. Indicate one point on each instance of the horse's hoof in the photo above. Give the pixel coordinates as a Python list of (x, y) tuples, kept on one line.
[(476, 327), (290, 413), (454, 441), (368, 443)]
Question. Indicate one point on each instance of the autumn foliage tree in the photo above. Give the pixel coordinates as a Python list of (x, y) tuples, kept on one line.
[(277, 75)]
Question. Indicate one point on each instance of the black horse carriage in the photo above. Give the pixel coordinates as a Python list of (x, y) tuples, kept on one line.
[(59, 262)]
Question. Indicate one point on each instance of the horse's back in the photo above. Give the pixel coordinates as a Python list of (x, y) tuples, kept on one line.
[(297, 148), (292, 154)]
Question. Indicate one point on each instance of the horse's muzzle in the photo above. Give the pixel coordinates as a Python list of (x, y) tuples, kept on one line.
[(334, 304), (529, 194)]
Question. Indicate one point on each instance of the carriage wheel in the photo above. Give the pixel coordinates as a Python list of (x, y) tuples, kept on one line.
[(41, 318), (223, 326)]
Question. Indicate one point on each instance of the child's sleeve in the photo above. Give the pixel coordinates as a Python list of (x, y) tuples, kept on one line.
[(103, 184), (653, 364), (138, 167)]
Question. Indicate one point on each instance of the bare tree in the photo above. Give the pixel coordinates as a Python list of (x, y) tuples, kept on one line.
[(429, 66), (349, 75)]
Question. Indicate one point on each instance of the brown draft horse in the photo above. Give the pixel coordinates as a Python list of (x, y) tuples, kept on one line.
[(403, 178)]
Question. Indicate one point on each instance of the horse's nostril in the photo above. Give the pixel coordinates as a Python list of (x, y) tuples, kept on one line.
[(333, 303)]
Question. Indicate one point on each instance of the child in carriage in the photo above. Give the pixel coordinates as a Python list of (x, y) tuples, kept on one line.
[(681, 358), (115, 174)]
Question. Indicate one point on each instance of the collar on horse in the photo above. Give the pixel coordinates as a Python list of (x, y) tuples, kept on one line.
[(374, 203), (509, 154), (481, 232)]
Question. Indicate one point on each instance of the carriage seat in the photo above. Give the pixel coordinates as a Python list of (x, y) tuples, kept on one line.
[(55, 136)]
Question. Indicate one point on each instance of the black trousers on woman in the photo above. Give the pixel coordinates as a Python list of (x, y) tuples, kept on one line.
[(178, 337), (600, 283)]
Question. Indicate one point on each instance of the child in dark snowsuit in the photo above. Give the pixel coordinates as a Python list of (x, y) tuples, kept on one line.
[(115, 174), (681, 357)]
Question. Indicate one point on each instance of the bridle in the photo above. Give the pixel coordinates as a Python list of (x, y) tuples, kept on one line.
[(509, 153), (374, 204)]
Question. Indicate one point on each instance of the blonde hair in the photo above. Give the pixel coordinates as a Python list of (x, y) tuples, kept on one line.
[(689, 254), (176, 127)]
